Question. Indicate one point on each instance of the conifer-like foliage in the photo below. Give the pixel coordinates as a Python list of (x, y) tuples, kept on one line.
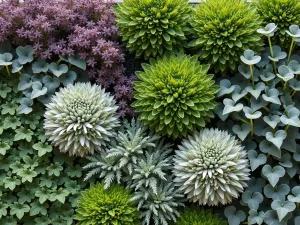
[(106, 206), (194, 216), (151, 27), (283, 13), (224, 29), (175, 95)]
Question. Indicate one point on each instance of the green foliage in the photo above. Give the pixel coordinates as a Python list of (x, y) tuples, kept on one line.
[(224, 29), (152, 27), (111, 206), (38, 185), (263, 103), (81, 118), (211, 167), (139, 160), (175, 95), (38, 79), (194, 216), (283, 13)]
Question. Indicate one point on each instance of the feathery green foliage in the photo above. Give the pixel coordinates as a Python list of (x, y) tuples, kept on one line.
[(211, 167), (224, 29), (175, 95), (111, 206), (283, 13), (194, 216), (152, 27), (81, 118)]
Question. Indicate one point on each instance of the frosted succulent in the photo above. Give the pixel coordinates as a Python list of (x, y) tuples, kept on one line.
[(211, 167), (80, 119)]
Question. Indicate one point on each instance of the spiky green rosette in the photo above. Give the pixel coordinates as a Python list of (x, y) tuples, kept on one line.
[(224, 29), (174, 95), (151, 27), (110, 206), (193, 216), (81, 118), (211, 167), (283, 13)]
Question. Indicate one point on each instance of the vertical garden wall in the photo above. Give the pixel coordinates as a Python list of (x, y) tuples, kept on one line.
[(151, 112)]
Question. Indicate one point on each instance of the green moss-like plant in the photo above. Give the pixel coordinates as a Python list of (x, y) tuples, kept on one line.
[(151, 27), (194, 216), (283, 13), (175, 95), (81, 118), (224, 29), (106, 206)]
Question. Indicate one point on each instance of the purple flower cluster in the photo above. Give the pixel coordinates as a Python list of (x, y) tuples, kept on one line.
[(71, 27)]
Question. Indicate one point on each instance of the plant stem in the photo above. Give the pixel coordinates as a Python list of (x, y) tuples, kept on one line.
[(284, 87), (265, 108), (252, 75), (244, 121), (58, 61), (286, 127), (252, 128), (272, 53), (290, 52), (293, 93), (7, 70)]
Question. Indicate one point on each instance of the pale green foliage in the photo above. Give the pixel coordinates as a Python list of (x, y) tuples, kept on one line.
[(152, 27), (211, 167), (81, 118), (224, 29), (111, 206), (174, 95)]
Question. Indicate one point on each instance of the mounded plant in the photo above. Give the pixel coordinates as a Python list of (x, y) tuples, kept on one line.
[(224, 29), (283, 13), (152, 27), (81, 118), (175, 95), (111, 206), (211, 167), (194, 216)]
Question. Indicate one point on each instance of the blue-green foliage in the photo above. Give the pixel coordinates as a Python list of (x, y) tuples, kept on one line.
[(261, 106)]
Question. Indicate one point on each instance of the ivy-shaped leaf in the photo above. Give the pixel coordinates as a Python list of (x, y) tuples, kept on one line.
[(19, 210), (23, 134)]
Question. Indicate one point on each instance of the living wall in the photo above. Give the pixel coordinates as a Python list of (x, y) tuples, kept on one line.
[(151, 112)]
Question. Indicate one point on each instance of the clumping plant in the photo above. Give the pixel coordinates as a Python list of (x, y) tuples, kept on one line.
[(195, 216), (283, 13), (174, 95), (152, 27), (141, 161), (38, 185), (81, 118), (224, 29), (86, 29), (262, 103), (211, 167), (111, 206)]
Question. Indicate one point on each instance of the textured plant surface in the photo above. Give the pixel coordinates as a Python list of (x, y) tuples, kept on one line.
[(174, 95), (38, 185), (152, 27), (224, 29), (261, 106), (139, 160), (283, 13), (211, 167), (194, 216), (80, 119), (61, 27), (111, 206)]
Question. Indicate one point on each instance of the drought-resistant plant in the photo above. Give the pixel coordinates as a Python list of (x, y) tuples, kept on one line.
[(38, 185), (86, 29), (283, 13), (152, 27), (195, 216), (139, 160), (174, 95), (81, 118), (224, 29), (211, 167), (111, 206), (262, 100)]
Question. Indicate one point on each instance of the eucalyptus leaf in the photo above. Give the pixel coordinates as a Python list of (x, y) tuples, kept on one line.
[(278, 54), (76, 61), (225, 88), (295, 196), (242, 131), (231, 106), (249, 58), (6, 59), (234, 217), (283, 208), (58, 70), (38, 90), (271, 95), (256, 160), (40, 66), (273, 174), (279, 192), (268, 30), (25, 54), (277, 138)]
